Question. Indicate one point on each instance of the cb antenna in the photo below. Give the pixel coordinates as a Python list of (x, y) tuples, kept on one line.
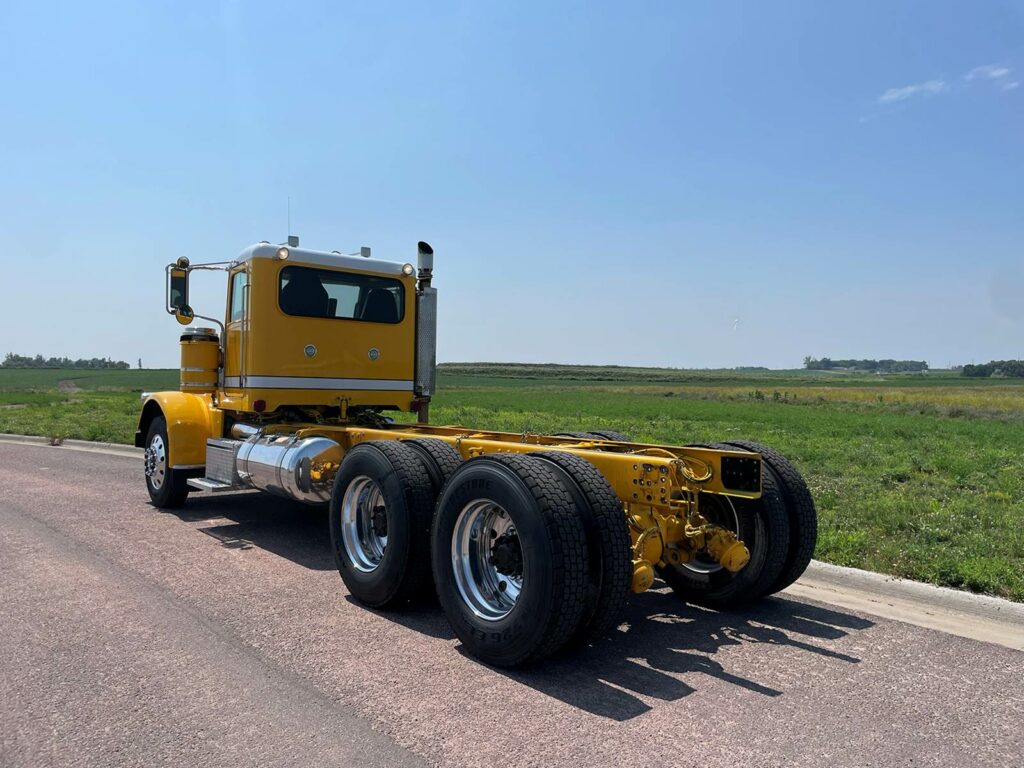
[(292, 240)]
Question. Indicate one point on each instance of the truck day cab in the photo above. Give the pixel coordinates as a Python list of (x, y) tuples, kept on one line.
[(532, 542)]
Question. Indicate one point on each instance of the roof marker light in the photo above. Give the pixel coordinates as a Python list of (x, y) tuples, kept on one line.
[(282, 253)]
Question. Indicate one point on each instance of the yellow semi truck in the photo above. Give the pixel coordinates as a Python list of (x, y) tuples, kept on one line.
[(531, 542)]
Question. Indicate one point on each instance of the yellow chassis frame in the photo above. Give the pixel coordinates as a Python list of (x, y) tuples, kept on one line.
[(658, 485)]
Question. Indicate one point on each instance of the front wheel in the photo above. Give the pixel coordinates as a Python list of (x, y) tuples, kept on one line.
[(167, 488)]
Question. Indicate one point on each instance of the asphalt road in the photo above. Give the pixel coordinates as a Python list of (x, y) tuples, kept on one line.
[(222, 635)]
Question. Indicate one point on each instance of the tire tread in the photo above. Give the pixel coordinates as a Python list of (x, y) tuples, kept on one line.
[(803, 516), (569, 547), (611, 563), (444, 457), (418, 493)]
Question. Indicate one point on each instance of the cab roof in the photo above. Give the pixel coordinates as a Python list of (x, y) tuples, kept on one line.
[(333, 259)]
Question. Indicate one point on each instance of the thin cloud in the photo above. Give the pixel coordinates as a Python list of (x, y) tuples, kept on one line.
[(927, 88), (987, 71), (993, 73)]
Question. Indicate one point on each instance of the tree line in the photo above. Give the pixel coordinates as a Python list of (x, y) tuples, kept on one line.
[(872, 366), (995, 368), (21, 361)]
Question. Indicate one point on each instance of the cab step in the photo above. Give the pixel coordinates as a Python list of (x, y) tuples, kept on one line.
[(211, 485)]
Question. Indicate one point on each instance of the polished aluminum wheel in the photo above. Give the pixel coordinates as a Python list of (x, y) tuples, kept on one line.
[(487, 559), (364, 524), (155, 460)]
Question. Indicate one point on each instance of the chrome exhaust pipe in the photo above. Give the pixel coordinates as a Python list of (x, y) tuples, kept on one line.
[(287, 466), (426, 331), (244, 431)]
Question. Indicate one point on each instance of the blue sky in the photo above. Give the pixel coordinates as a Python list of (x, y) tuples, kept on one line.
[(685, 184)]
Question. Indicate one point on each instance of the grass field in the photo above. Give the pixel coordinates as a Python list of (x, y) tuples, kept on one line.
[(920, 476)]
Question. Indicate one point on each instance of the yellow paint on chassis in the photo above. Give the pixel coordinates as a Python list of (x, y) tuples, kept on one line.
[(658, 485)]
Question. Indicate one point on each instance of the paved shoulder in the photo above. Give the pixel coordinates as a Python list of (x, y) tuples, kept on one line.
[(102, 667), (221, 634)]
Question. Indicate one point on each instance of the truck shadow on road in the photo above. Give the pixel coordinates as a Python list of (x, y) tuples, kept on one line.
[(289, 529), (661, 650), (661, 641)]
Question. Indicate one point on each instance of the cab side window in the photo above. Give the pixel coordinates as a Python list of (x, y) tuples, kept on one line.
[(239, 281)]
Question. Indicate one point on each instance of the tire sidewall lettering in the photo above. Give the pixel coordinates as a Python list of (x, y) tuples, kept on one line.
[(515, 629)]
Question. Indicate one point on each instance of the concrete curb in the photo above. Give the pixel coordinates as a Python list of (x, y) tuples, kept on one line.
[(978, 617), (116, 449), (983, 606)]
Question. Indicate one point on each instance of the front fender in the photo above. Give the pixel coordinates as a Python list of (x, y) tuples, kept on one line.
[(191, 419)]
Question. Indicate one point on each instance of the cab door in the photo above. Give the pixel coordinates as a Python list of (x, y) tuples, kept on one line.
[(235, 329)]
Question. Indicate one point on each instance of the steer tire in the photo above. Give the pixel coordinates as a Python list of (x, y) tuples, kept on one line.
[(553, 570), (803, 517), (439, 457), (168, 488), (764, 528), (399, 572), (608, 544)]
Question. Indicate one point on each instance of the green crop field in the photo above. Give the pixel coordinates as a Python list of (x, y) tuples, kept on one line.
[(920, 476)]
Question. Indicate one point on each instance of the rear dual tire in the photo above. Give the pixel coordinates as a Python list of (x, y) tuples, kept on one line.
[(381, 509), (510, 561), (610, 572), (761, 524), (439, 458), (530, 553), (779, 529), (802, 514), (380, 513)]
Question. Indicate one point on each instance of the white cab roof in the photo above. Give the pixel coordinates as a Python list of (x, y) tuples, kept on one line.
[(320, 259)]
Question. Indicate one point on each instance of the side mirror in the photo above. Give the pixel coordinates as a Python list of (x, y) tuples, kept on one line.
[(177, 291)]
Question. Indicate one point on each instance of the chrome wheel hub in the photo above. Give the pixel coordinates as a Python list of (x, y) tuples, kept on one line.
[(155, 461), (487, 559), (364, 524)]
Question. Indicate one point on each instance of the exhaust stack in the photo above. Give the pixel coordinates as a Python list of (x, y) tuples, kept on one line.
[(426, 331)]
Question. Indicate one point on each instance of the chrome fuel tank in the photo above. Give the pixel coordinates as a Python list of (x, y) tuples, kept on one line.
[(282, 464)]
